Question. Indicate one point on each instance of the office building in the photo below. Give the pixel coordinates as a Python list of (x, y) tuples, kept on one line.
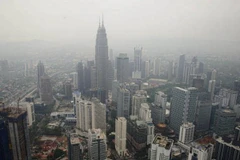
[(215, 107), (14, 136), (29, 107), (80, 73), (189, 69), (161, 148), (180, 68), (137, 99), (237, 134), (110, 75), (226, 149), (145, 113), (200, 68), (75, 149), (67, 90), (183, 107), (200, 151), (214, 74), (101, 57), (85, 116), (120, 135), (139, 133), (224, 121), (122, 68), (99, 114), (75, 80), (137, 58), (46, 90), (40, 73), (158, 111), (115, 87), (236, 87), (157, 67), (146, 69), (97, 146), (186, 134), (160, 99), (170, 70), (203, 115), (87, 75), (93, 77), (123, 102), (76, 99)]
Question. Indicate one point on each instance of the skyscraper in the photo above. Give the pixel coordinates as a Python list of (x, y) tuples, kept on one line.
[(101, 57), (137, 61), (183, 107), (40, 73), (123, 102), (122, 68), (97, 146), (161, 148), (180, 69), (137, 99), (14, 136), (186, 132), (80, 72), (121, 135), (46, 90)]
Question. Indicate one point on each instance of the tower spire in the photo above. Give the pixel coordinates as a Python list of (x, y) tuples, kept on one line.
[(102, 20)]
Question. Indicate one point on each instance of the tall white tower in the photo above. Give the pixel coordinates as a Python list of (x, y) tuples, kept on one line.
[(121, 135)]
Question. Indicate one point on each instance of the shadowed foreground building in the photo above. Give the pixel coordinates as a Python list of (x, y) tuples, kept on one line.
[(14, 136)]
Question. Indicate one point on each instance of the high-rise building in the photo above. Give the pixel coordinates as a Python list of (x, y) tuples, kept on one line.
[(40, 73), (85, 116), (226, 149), (67, 89), (115, 87), (74, 147), (110, 75), (186, 132), (236, 87), (123, 102), (147, 69), (224, 121), (101, 57), (200, 151), (183, 107), (75, 80), (157, 67), (211, 88), (180, 68), (90, 114), (46, 90), (137, 99), (29, 107), (170, 70), (80, 72), (237, 133), (14, 136), (87, 75), (214, 74), (161, 148), (159, 108), (97, 146), (137, 58), (145, 113), (93, 77), (200, 67), (189, 69), (203, 115), (121, 135), (99, 114), (122, 68)]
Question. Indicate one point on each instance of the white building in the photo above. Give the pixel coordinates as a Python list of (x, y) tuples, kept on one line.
[(85, 116), (211, 88), (137, 99), (201, 152), (121, 135), (97, 146), (99, 114), (161, 148), (160, 99), (75, 80), (145, 113), (30, 112), (186, 134)]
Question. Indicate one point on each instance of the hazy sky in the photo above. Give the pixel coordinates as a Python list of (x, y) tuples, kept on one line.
[(126, 21)]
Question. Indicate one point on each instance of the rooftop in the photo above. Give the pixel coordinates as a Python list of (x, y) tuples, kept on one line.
[(12, 112), (163, 141)]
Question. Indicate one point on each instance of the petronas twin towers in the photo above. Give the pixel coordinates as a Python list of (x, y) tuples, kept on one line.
[(101, 57)]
